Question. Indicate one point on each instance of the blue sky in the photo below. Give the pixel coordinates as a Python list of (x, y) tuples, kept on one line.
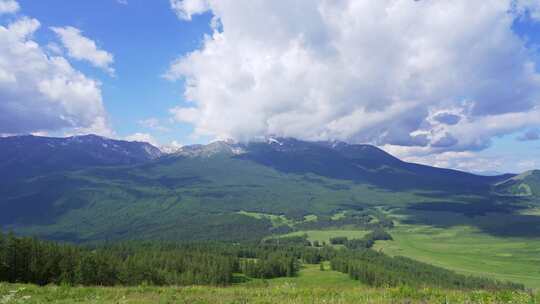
[(370, 72), (145, 37)]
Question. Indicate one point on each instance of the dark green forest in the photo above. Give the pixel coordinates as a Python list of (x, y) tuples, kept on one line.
[(379, 270), (29, 260)]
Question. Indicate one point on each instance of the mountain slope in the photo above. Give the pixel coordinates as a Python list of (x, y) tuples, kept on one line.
[(526, 184), (202, 191), (30, 156), (361, 163)]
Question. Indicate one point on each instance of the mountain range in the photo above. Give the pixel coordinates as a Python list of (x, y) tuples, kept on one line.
[(90, 188), (27, 156)]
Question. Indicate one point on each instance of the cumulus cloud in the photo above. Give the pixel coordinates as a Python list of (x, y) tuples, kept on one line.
[(83, 48), (410, 74), (9, 7), (171, 147), (465, 161), (447, 118), (40, 93), (142, 137), (527, 9), (153, 124), (184, 9), (470, 161), (54, 48)]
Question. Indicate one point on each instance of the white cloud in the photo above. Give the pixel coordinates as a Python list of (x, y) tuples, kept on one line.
[(527, 164), (466, 161), (9, 7), (172, 147), (153, 124), (184, 9), (475, 133), (528, 8), (361, 71), (142, 137), (40, 93), (123, 2), (470, 161), (83, 48), (54, 48)]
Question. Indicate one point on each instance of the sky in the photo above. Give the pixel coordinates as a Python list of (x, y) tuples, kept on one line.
[(446, 83)]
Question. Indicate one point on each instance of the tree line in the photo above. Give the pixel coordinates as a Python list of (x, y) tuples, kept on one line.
[(29, 260), (379, 270), (365, 242), (368, 219), (356, 258)]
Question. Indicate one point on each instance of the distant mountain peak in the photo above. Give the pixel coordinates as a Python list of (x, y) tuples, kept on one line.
[(524, 184), (89, 136), (273, 140), (528, 175), (29, 155), (211, 149)]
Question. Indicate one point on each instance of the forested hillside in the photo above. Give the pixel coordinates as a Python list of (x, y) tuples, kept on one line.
[(339, 195), (26, 260), (204, 192)]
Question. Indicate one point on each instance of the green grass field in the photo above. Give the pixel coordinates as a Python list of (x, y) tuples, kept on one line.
[(278, 220), (310, 276), (325, 235), (531, 211), (464, 249), (311, 286), (467, 250)]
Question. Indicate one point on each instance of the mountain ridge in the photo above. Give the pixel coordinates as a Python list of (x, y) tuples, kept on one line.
[(287, 144), (526, 184), (28, 155), (204, 191), (220, 146)]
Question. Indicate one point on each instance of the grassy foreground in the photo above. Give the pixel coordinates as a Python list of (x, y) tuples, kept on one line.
[(311, 286), (283, 293)]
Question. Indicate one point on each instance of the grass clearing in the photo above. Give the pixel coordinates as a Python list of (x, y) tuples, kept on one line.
[(531, 211), (310, 276), (325, 235), (277, 220), (310, 218), (466, 250), (338, 216)]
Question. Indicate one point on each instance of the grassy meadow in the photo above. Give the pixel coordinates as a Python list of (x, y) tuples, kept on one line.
[(462, 248), (478, 246), (325, 235), (467, 250), (311, 286)]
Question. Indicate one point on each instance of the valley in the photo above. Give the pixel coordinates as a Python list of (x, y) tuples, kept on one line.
[(267, 151), (468, 251), (245, 193)]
